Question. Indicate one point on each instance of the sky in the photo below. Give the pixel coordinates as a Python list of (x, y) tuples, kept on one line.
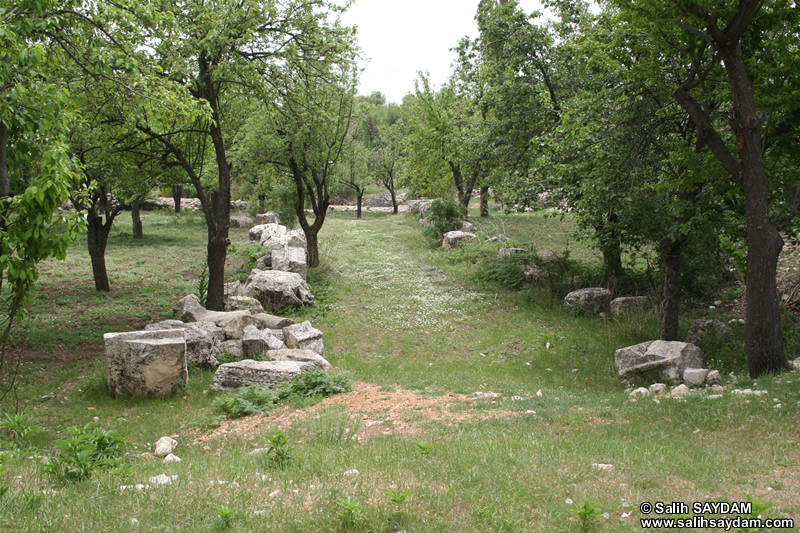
[(402, 37)]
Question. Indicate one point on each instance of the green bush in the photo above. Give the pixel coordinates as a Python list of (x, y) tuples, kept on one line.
[(317, 382), (86, 449), (248, 400), (443, 216), (509, 270)]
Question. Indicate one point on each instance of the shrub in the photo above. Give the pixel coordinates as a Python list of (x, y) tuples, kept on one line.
[(248, 400), (19, 429), (443, 216), (317, 382), (509, 270), (86, 449)]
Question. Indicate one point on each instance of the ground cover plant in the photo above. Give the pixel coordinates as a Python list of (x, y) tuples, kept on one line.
[(474, 407)]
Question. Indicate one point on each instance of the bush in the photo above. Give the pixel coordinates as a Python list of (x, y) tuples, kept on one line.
[(509, 271), (86, 449), (443, 216), (318, 383), (248, 400)]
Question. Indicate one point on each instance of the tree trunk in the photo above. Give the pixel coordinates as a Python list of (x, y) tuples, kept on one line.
[(136, 217), (610, 246), (177, 194), (5, 181), (672, 256), (312, 241), (359, 198), (484, 202), (97, 238)]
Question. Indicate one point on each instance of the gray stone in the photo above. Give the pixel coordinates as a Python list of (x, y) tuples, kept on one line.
[(641, 392), (702, 328), (140, 363), (189, 309), (296, 239), (694, 377), (303, 356), (258, 342), (234, 325), (594, 299), (233, 288), (265, 262), (268, 218), (275, 289), (165, 446), (241, 221), (505, 252), (290, 259), (714, 378), (796, 364), (304, 337), (203, 340), (273, 374), (273, 233), (625, 304), (267, 321), (256, 231), (670, 359), (657, 388), (244, 303), (680, 390), (234, 349), (454, 239), (468, 227), (717, 389)]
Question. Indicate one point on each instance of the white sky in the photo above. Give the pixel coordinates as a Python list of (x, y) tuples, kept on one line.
[(402, 37)]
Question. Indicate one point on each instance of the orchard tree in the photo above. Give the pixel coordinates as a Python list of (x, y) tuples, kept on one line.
[(739, 56)]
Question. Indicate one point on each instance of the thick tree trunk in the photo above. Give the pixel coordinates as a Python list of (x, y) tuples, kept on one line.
[(672, 256), (484, 202), (97, 238), (359, 198), (312, 240), (177, 194), (136, 218)]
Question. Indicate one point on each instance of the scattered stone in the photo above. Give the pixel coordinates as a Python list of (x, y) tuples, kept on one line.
[(140, 363), (258, 342), (641, 392), (603, 466), (593, 299), (274, 493), (454, 239), (203, 340), (717, 389), (165, 446), (137, 487), (777, 406), (275, 289), (244, 303), (702, 328), (714, 378), (256, 231), (301, 356), (233, 348), (268, 218), (748, 392), (668, 357), (796, 364), (163, 479), (539, 393), (498, 238), (657, 388), (629, 304), (303, 337), (290, 259), (505, 252), (172, 459), (274, 374), (233, 288), (468, 227), (234, 324), (352, 472), (274, 323), (241, 221), (481, 394), (714, 396), (264, 263), (680, 390), (694, 377)]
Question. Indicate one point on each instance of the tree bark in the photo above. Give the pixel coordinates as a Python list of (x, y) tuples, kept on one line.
[(484, 202), (97, 238), (359, 199), (177, 194), (672, 256), (136, 218), (5, 181)]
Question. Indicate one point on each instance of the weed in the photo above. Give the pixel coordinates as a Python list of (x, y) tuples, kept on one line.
[(86, 449), (758, 507), (226, 515), (247, 400), (318, 382), (397, 498), (19, 429), (202, 285), (350, 512), (207, 423), (588, 513), (424, 449), (278, 454)]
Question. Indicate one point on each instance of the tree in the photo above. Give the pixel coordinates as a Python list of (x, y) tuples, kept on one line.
[(746, 43), (353, 170), (221, 50)]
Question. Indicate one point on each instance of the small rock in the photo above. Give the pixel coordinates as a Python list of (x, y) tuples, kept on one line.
[(680, 390), (138, 487), (258, 451), (603, 466), (163, 479), (134, 522), (714, 396), (641, 392), (796, 364), (714, 378), (539, 393), (777, 406), (352, 472), (259, 513), (172, 459), (717, 389), (530, 412), (274, 493), (657, 388), (693, 377), (480, 394), (165, 446)]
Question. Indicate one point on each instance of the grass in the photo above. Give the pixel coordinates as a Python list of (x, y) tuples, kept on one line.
[(402, 315)]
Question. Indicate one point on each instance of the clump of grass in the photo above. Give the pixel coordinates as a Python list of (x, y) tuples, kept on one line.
[(318, 383), (19, 428), (247, 400), (87, 448)]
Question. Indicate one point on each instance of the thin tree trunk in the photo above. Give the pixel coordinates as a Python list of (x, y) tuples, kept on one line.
[(136, 218), (97, 238), (672, 256), (359, 198), (5, 181), (177, 194), (484, 202), (312, 240)]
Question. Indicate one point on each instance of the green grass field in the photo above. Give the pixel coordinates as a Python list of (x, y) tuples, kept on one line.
[(421, 333)]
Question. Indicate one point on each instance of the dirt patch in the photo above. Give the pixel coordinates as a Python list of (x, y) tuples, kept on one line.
[(379, 410)]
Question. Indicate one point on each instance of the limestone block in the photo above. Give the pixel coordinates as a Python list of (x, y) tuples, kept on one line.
[(273, 374), (304, 337), (593, 299), (141, 363), (303, 356)]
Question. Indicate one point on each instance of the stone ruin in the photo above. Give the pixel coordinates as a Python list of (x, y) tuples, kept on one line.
[(157, 360)]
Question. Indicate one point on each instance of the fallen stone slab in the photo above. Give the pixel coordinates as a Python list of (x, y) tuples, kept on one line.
[(304, 337), (275, 289), (267, 321), (594, 299), (302, 356), (630, 304), (274, 374), (244, 303), (669, 358), (241, 221), (258, 342), (290, 259), (189, 309), (268, 218), (454, 239), (203, 340), (141, 363)]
